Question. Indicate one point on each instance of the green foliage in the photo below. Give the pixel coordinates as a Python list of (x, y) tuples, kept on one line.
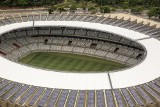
[(94, 11), (28, 2), (113, 9), (23, 2), (91, 8), (5, 2), (134, 2), (50, 11), (105, 9), (49, 2), (137, 10), (154, 11), (73, 7), (53, 8), (61, 9), (125, 5)]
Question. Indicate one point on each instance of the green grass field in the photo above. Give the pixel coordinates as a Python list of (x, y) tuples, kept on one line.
[(70, 62)]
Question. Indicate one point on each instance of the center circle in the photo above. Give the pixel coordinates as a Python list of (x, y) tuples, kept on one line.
[(69, 49)]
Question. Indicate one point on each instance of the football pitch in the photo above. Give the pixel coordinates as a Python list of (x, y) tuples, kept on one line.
[(70, 62)]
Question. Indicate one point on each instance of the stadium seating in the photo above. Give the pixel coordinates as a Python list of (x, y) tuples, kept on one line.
[(25, 45), (141, 95), (133, 25), (19, 43)]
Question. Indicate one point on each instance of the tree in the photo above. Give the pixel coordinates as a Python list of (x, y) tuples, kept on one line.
[(125, 5), (91, 8), (154, 11), (137, 9), (105, 9), (47, 2), (50, 11), (73, 7), (61, 9), (23, 2), (5, 2), (133, 2)]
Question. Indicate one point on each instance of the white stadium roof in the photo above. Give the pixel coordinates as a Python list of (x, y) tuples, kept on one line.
[(146, 71)]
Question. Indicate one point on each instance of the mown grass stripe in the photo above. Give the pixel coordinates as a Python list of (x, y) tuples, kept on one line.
[(72, 66), (52, 64), (62, 65), (91, 66), (79, 66), (85, 67)]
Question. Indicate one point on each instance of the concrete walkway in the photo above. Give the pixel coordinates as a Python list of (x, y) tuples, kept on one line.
[(133, 17)]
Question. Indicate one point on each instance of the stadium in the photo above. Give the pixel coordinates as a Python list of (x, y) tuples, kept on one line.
[(119, 67)]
